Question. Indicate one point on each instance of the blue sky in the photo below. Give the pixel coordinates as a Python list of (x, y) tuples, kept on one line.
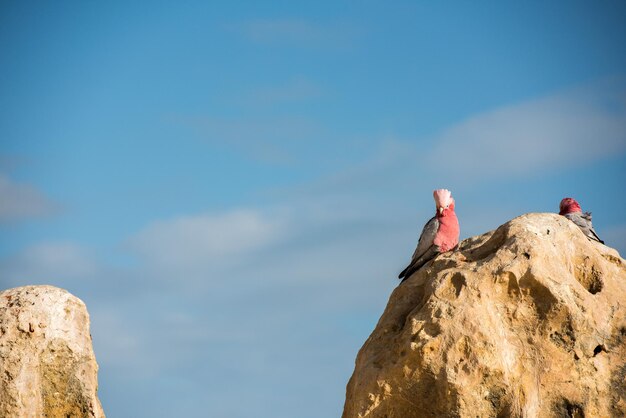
[(232, 188)]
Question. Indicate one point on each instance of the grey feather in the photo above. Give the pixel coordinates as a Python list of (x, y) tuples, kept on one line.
[(417, 263), (583, 221), (425, 249)]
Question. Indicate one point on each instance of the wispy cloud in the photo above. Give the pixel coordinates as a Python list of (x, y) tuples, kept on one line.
[(297, 89), (48, 262), (562, 130), (293, 31), (272, 140), (265, 127), (9, 162), (20, 201), (206, 239)]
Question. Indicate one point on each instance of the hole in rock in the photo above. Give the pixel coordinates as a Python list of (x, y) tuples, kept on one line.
[(458, 281), (569, 409), (600, 348), (589, 276), (575, 411), (595, 286)]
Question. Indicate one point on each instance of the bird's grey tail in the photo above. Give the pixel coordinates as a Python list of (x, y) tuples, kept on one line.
[(402, 274), (419, 262), (587, 216), (412, 268), (595, 236)]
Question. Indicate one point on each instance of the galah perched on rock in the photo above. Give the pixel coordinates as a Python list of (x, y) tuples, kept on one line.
[(440, 234), (570, 208)]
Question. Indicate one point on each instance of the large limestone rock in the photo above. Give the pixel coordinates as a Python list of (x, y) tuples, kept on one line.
[(47, 364), (528, 320)]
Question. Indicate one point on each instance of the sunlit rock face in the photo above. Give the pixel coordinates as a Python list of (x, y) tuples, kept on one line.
[(528, 320), (47, 364)]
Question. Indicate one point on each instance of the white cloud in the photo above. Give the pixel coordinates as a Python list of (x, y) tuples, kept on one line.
[(268, 30), (268, 139), (206, 239), (21, 201), (295, 32), (11, 161), (48, 263), (565, 129), (294, 90)]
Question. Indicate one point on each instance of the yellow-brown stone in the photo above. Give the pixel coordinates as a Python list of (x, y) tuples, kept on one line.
[(528, 320), (47, 364)]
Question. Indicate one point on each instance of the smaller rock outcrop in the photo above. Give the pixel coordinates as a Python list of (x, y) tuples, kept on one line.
[(47, 364)]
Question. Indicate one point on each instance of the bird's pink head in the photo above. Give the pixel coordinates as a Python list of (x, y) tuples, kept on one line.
[(443, 200), (569, 205)]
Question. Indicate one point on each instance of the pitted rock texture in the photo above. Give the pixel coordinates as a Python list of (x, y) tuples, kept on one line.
[(528, 320), (47, 364)]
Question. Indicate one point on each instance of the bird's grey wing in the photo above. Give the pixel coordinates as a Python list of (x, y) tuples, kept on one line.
[(426, 237), (424, 245), (587, 217), (417, 263), (577, 219), (583, 221)]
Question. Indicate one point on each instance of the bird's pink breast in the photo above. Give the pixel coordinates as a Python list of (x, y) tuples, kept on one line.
[(448, 234)]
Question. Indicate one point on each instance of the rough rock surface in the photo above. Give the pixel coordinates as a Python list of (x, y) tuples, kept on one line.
[(528, 320), (47, 364)]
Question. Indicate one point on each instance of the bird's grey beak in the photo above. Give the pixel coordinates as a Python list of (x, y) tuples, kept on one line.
[(440, 210)]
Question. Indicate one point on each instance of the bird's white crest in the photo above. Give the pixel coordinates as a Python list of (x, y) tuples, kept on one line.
[(443, 197)]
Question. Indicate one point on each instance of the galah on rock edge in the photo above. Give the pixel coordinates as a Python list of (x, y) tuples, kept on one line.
[(440, 234), (570, 208)]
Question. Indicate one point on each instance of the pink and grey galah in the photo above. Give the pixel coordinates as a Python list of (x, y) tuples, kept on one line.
[(440, 234), (570, 208)]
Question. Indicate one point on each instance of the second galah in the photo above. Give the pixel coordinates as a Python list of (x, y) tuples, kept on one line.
[(440, 234), (570, 208)]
